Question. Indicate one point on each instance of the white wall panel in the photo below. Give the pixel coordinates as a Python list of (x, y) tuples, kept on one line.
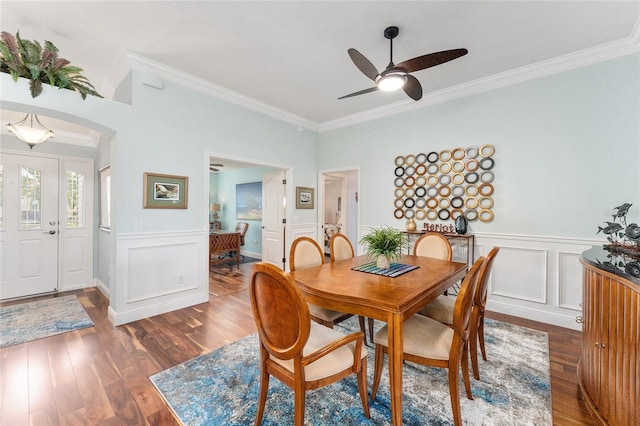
[(538, 278), (160, 270), (569, 280), (520, 273), (158, 273)]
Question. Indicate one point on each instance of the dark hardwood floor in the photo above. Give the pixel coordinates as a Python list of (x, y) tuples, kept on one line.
[(100, 375)]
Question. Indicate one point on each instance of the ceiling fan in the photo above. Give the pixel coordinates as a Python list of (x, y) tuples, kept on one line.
[(214, 167), (399, 76)]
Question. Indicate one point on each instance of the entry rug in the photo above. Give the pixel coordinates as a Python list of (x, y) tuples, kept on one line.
[(34, 320), (221, 387), (394, 269)]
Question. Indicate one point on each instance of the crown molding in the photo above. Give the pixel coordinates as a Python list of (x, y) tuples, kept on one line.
[(132, 61)]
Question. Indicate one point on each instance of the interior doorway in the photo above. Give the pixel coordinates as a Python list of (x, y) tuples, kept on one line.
[(338, 207), (266, 238)]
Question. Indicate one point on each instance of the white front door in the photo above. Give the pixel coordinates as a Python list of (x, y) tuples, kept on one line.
[(28, 225), (273, 190)]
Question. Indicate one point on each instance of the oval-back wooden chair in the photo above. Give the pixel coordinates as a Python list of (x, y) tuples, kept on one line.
[(340, 248), (305, 252), (429, 342), (301, 354), (433, 244), (441, 309)]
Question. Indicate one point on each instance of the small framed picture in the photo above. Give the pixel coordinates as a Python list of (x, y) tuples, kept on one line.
[(165, 191), (304, 197)]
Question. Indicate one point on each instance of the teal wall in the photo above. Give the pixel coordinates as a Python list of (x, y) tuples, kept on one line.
[(567, 149)]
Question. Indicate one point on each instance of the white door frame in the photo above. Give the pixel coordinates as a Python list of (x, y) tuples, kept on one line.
[(288, 211), (350, 212)]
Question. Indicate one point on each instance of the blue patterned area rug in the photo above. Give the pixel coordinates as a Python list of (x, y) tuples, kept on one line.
[(34, 320), (221, 388)]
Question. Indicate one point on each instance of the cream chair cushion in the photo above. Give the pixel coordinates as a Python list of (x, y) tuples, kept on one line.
[(329, 364), (323, 313), (307, 255), (342, 249), (423, 337), (440, 309)]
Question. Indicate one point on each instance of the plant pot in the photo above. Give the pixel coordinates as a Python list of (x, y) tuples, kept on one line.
[(383, 262)]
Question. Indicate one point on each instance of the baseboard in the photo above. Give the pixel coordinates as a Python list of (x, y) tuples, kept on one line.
[(102, 288), (553, 318), (120, 318)]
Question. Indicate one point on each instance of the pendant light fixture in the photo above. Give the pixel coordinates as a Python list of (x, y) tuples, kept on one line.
[(30, 134)]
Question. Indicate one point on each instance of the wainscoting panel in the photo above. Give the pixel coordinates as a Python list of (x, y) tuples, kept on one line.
[(569, 280), (539, 278), (158, 273), (520, 273)]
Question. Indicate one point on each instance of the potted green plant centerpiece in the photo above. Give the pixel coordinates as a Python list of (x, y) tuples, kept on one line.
[(384, 244)]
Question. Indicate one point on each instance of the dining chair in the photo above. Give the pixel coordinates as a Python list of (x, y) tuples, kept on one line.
[(431, 343), (441, 309), (433, 244), (306, 252), (340, 248), (301, 354)]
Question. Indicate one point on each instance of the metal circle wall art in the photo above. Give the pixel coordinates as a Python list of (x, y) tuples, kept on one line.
[(444, 184)]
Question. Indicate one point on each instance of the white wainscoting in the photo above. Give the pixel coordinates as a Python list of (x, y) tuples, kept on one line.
[(158, 273), (538, 278)]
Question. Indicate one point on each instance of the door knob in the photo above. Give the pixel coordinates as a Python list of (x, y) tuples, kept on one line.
[(50, 232)]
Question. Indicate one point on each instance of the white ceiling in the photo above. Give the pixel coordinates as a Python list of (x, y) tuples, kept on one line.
[(292, 56)]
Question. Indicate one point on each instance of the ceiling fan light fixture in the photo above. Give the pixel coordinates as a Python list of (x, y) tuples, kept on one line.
[(391, 82), (29, 134)]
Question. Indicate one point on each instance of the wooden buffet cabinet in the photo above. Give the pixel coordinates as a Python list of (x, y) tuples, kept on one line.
[(609, 370)]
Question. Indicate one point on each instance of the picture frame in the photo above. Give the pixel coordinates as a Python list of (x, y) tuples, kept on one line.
[(249, 201), (305, 197), (165, 191)]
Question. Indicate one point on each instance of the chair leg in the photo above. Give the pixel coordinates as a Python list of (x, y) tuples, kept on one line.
[(362, 388), (299, 398), (465, 370), (361, 322), (473, 351), (481, 335), (370, 329), (262, 396), (377, 370), (455, 394)]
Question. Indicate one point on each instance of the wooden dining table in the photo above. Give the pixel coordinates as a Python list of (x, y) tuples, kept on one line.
[(338, 287)]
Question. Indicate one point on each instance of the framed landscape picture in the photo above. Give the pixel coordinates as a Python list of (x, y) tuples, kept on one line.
[(304, 197), (249, 201), (165, 191)]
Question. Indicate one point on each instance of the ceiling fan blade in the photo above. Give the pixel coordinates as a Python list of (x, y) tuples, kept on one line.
[(413, 88), (431, 60), (363, 64), (213, 169), (361, 92), (216, 165)]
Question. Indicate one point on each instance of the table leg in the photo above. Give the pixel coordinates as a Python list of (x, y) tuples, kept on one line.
[(395, 343)]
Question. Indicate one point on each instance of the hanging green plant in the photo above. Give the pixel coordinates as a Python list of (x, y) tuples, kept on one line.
[(28, 59)]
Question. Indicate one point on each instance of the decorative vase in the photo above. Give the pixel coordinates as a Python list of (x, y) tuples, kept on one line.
[(383, 262), (411, 225), (461, 224)]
